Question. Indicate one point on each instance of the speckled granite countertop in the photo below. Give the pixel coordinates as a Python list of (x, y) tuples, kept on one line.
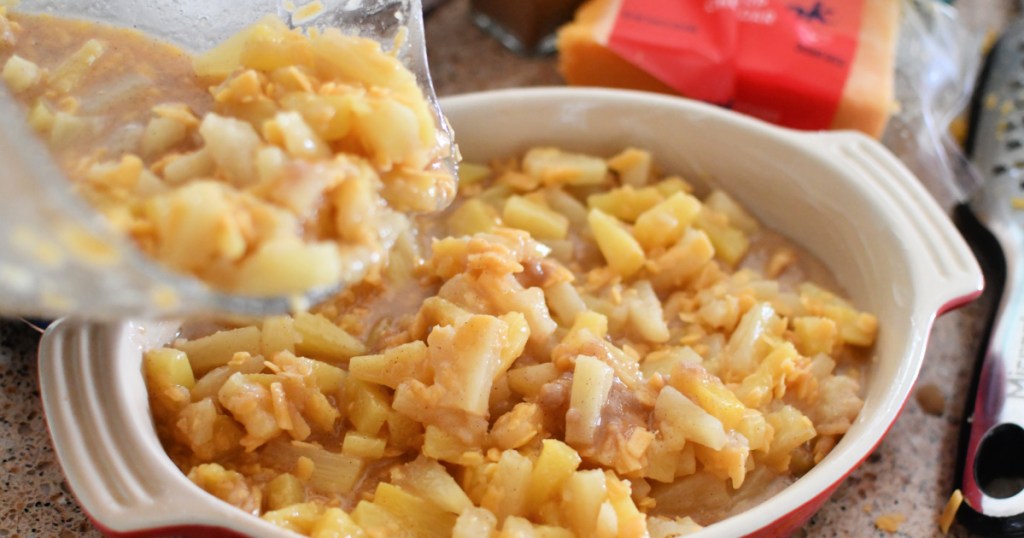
[(910, 473)]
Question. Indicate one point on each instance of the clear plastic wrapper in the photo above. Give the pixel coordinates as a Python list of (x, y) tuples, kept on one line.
[(58, 256), (937, 60)]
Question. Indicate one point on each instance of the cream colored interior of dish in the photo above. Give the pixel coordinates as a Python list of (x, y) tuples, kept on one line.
[(840, 196), (894, 248)]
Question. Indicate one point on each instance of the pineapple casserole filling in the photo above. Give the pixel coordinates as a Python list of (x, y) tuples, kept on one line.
[(275, 163), (579, 345), (585, 348)]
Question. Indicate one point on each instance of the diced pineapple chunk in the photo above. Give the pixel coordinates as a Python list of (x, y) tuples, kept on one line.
[(556, 167), (470, 173), (662, 527), (792, 429), (731, 244), (437, 311), (622, 252), (69, 74), (633, 166), (229, 486), (565, 302), (331, 117), (329, 379), (160, 135), (592, 380), (727, 463), (20, 74), (662, 361), (67, 128), (404, 433), (506, 494), (566, 204), (721, 202), (631, 523), (541, 222), (646, 315), (321, 339), (687, 464), (232, 144), (284, 490), (467, 374), (443, 446), (679, 420), (368, 406), (855, 327), (517, 427), (673, 184), (376, 520), (768, 380), (709, 392), (188, 166), (592, 322), (556, 463), (663, 224), (335, 523), (121, 174), (662, 458), (756, 430), (473, 216), (681, 262), (270, 45), (290, 130), (389, 131), (748, 343), (222, 60), (517, 527), (395, 365), (362, 446), (41, 118), (277, 335), (417, 515), (332, 472), (165, 367), (217, 349), (252, 404), (528, 380), (626, 203), (475, 523), (349, 58), (428, 479), (298, 518), (582, 497), (196, 225), (814, 335), (551, 531), (495, 195)]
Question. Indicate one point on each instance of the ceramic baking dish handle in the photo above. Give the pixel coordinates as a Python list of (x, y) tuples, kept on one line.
[(101, 429), (948, 275)]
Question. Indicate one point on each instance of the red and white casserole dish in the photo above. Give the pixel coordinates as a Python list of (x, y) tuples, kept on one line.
[(841, 196)]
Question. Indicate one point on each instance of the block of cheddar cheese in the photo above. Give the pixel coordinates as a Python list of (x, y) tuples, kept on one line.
[(865, 102)]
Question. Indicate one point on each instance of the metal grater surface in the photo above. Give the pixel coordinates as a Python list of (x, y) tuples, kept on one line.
[(992, 480)]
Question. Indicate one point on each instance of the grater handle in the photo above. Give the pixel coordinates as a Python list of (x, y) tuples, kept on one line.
[(991, 469), (992, 479)]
